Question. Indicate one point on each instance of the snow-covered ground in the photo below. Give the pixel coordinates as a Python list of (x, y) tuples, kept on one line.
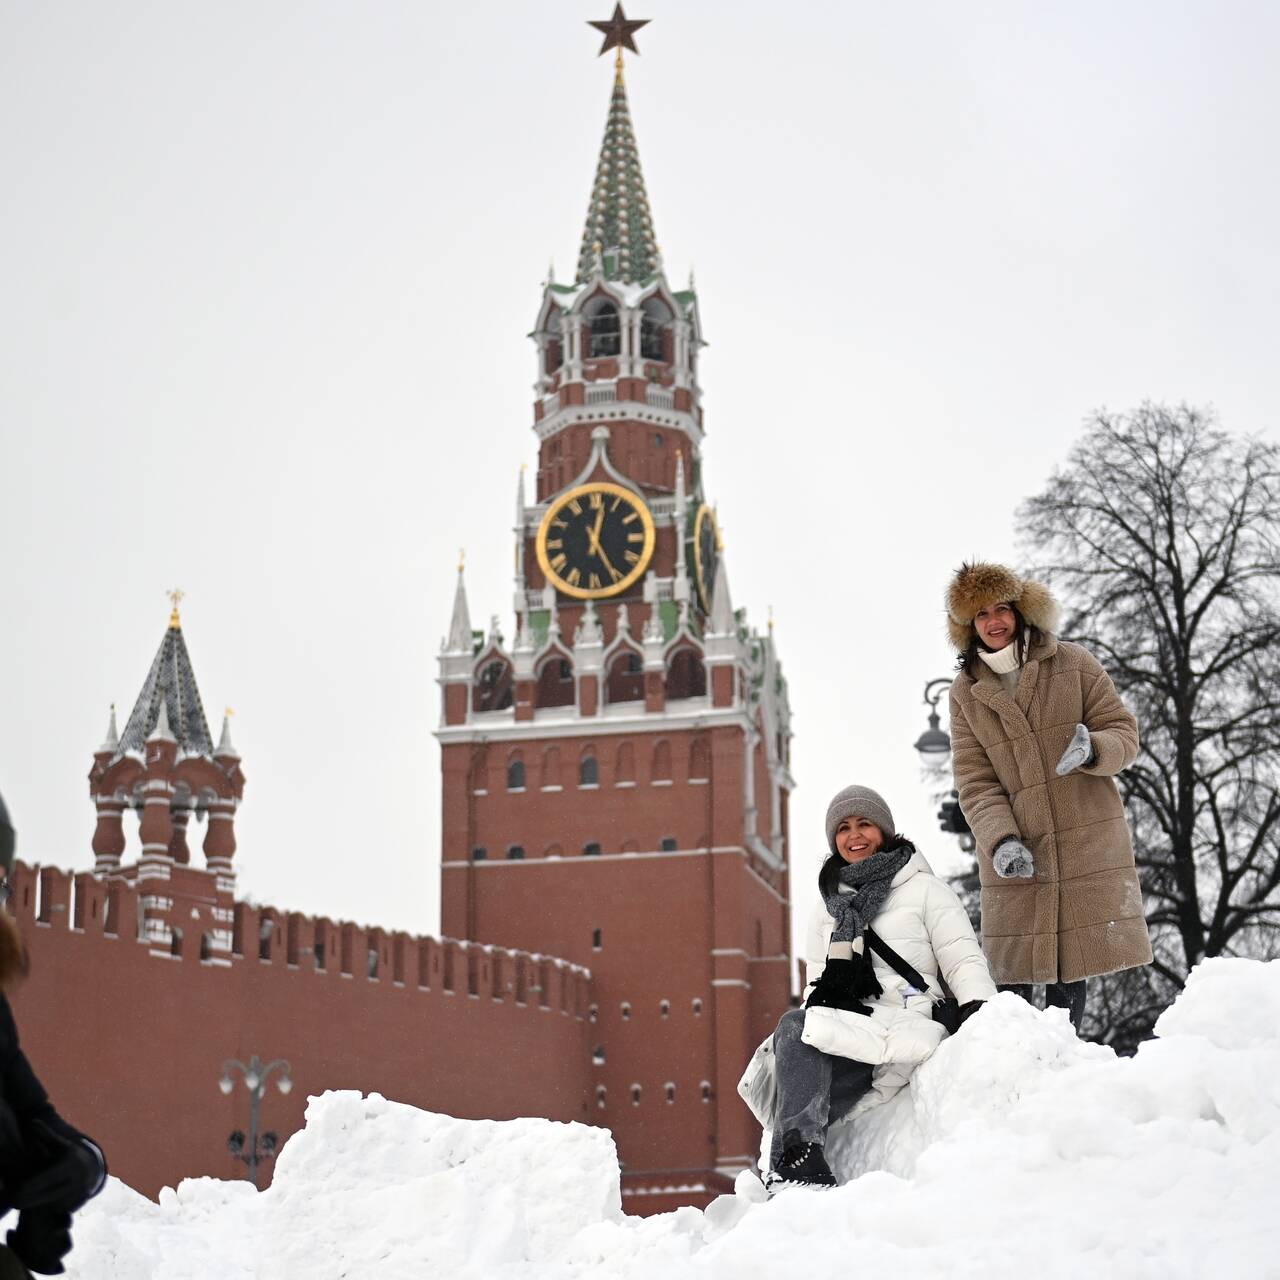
[(1018, 1151)]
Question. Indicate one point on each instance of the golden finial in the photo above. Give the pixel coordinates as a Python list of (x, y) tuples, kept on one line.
[(228, 712), (617, 67), (771, 619), (176, 596), (462, 558)]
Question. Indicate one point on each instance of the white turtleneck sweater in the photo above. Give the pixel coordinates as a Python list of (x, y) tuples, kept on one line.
[(1006, 663)]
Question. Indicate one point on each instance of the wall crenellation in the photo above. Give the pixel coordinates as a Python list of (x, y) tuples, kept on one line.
[(290, 942)]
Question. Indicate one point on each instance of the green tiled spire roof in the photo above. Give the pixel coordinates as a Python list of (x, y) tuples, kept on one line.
[(618, 219)]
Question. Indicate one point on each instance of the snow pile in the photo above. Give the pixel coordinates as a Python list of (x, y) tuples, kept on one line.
[(1017, 1150)]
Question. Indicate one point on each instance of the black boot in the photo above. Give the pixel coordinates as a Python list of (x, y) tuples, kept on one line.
[(802, 1165), (11, 1267)]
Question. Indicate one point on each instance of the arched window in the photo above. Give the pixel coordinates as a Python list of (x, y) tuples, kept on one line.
[(604, 329), (551, 769), (492, 691), (671, 1091), (602, 1095), (597, 1056), (626, 1011), (664, 1008), (686, 676), (588, 769), (206, 947), (624, 681), (555, 683), (597, 939), (661, 771), (706, 1091), (555, 343), (516, 853), (655, 331), (624, 772), (175, 943), (635, 1095), (591, 849), (697, 1007), (553, 850), (515, 774), (699, 761), (668, 844)]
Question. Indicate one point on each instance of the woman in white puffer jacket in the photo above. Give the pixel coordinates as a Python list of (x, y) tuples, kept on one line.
[(865, 1026)]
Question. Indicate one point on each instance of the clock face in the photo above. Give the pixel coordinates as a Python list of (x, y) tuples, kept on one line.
[(596, 540), (706, 553)]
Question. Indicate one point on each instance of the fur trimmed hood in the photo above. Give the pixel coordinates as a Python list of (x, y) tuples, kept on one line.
[(978, 584)]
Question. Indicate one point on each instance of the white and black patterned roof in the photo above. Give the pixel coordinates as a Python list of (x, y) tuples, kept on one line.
[(171, 681)]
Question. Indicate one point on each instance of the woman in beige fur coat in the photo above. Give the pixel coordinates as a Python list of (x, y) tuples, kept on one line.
[(1038, 734)]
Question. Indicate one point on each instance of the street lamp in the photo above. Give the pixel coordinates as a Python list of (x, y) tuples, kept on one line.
[(934, 742), (256, 1073)]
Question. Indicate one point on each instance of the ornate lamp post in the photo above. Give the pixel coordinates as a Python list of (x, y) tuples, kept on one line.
[(934, 742), (255, 1074)]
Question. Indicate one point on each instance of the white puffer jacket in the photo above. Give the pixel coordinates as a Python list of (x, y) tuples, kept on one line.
[(926, 924)]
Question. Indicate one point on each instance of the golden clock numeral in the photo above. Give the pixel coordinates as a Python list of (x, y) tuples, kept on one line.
[(630, 557), (575, 506), (559, 562), (629, 518), (593, 581), (559, 524), (595, 501), (635, 537), (614, 575), (575, 576), (617, 502), (554, 543)]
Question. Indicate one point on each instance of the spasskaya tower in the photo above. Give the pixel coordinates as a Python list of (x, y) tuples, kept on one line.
[(615, 777)]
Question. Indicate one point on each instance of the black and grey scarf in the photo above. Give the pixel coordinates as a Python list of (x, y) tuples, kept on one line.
[(870, 881)]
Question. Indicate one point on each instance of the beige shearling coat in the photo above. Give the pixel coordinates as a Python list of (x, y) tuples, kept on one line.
[(1081, 914)]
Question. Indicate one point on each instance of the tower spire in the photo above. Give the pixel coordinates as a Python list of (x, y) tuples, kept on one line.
[(618, 218), (459, 638)]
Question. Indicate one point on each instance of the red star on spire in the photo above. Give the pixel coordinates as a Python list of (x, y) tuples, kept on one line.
[(619, 30)]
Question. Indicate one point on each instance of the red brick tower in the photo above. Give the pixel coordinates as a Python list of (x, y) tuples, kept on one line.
[(615, 780), (167, 768)]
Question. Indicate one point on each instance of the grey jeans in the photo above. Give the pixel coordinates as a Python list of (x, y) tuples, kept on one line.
[(815, 1089)]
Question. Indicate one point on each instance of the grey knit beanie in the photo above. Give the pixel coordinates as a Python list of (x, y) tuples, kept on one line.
[(859, 802)]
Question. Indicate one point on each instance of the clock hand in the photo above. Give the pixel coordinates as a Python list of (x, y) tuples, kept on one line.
[(594, 535), (608, 564)]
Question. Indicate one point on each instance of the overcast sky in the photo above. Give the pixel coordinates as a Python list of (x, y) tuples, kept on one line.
[(266, 272)]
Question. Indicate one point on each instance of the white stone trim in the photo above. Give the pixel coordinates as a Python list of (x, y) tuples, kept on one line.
[(618, 411), (728, 951), (730, 982), (701, 717)]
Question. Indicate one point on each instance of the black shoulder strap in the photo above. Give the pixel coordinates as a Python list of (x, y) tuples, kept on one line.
[(895, 961)]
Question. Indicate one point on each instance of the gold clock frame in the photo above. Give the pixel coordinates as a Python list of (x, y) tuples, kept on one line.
[(705, 588), (628, 580)]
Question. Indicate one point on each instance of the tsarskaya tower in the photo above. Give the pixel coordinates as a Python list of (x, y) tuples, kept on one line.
[(615, 773)]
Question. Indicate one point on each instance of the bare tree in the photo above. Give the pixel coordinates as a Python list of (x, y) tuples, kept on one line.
[(1161, 535)]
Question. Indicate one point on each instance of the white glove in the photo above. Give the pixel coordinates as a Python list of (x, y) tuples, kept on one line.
[(1012, 859), (1079, 752)]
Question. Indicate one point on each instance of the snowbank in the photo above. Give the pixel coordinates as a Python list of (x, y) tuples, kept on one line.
[(1018, 1150)]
